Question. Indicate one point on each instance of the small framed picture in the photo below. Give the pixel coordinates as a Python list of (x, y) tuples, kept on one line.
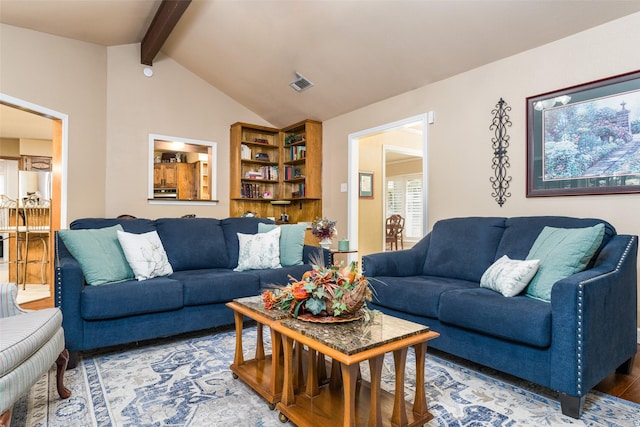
[(365, 186)]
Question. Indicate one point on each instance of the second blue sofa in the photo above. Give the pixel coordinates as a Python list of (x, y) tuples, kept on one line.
[(570, 343)]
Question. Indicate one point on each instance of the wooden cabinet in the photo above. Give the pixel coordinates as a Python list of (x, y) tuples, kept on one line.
[(179, 176), (270, 164), (165, 175)]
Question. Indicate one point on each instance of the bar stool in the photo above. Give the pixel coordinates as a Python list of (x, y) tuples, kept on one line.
[(37, 218), (9, 234)]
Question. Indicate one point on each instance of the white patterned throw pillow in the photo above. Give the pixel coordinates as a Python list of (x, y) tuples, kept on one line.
[(145, 254), (259, 251), (509, 276)]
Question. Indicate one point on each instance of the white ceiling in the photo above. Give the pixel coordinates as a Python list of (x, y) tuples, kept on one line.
[(356, 52)]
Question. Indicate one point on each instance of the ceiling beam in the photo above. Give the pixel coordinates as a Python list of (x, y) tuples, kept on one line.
[(164, 21)]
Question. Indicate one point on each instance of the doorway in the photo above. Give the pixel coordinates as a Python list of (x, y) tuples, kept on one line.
[(367, 216), (17, 120)]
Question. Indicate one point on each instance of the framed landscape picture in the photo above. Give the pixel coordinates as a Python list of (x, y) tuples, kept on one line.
[(585, 139)]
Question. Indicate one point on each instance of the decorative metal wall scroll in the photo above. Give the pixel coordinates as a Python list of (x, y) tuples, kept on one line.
[(500, 143)]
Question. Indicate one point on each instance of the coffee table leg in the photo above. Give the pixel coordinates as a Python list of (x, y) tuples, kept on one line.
[(276, 363), (349, 380), (420, 400), (375, 366), (259, 342), (399, 414), (312, 374), (288, 397), (335, 381), (238, 359)]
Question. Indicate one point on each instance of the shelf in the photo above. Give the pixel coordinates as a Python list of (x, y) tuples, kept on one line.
[(301, 142), (295, 162), (248, 199), (264, 181), (260, 144), (259, 162)]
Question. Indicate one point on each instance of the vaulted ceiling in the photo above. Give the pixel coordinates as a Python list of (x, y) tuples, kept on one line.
[(356, 52)]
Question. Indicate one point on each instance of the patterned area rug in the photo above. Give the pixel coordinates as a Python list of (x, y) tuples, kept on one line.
[(187, 382)]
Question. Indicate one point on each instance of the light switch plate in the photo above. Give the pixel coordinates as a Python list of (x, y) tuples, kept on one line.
[(343, 187)]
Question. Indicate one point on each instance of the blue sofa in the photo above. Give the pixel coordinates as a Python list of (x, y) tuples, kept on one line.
[(202, 253), (585, 332)]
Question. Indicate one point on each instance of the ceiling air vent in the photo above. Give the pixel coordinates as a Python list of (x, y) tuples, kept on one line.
[(300, 83)]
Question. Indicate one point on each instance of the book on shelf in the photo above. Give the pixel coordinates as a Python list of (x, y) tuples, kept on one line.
[(297, 152), (245, 152), (298, 191), (264, 172), (252, 191)]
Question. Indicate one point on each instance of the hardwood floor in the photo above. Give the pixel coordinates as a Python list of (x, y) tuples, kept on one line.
[(626, 387)]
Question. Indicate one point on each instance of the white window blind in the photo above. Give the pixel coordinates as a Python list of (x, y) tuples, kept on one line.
[(404, 197)]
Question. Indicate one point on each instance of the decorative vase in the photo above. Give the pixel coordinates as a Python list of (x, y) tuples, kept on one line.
[(325, 243)]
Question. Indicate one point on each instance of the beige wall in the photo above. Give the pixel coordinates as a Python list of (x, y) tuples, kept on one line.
[(404, 167), (112, 108), (459, 143), (36, 147), (10, 147), (174, 102), (69, 77)]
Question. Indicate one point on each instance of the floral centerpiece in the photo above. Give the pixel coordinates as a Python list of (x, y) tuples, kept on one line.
[(335, 292), (324, 229)]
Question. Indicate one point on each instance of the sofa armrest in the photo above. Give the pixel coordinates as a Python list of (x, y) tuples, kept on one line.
[(8, 300), (409, 262), (594, 318), (309, 253), (69, 283)]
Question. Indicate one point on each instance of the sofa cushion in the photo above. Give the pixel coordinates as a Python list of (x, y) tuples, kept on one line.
[(136, 225), (99, 254), (463, 248), (509, 276), (145, 254), (130, 298), (260, 250), (23, 334), (216, 286), (562, 252), (521, 232), (418, 295), (291, 241), (232, 226), (193, 243), (520, 319)]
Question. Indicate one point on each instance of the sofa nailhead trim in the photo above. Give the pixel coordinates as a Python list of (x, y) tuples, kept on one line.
[(579, 300)]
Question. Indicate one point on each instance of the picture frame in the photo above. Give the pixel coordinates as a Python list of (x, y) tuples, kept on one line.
[(585, 139), (365, 185)]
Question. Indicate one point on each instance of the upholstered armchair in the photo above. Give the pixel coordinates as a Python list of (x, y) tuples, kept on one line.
[(30, 342)]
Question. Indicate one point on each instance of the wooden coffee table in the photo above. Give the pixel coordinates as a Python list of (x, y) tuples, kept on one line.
[(263, 373), (347, 400)]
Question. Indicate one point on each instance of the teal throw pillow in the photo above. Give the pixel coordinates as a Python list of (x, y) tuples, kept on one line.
[(99, 254), (562, 252), (291, 242)]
